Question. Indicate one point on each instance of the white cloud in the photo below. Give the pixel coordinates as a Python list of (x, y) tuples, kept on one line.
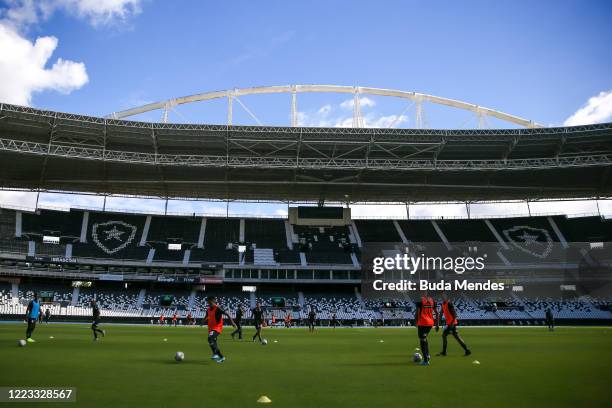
[(18, 199), (427, 210), (384, 121), (23, 68), (99, 12), (597, 109), (363, 102), (24, 63), (378, 210), (324, 110), (323, 118), (281, 213), (27, 200), (21, 13), (336, 115)]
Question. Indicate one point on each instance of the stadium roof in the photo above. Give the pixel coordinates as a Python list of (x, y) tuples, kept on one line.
[(45, 150)]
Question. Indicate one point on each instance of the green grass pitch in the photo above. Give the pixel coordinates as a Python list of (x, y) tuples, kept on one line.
[(133, 366)]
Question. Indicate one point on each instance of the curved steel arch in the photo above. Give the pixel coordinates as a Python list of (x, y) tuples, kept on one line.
[(231, 94)]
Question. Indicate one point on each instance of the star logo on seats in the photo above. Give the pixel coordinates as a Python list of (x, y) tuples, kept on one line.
[(533, 241), (113, 236), (528, 238)]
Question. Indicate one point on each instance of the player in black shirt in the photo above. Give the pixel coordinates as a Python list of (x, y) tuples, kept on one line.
[(257, 320), (334, 320), (312, 316), (550, 320), (96, 321), (238, 321)]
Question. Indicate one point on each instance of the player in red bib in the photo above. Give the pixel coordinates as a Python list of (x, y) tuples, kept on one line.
[(288, 320), (426, 316), (214, 320), (450, 315)]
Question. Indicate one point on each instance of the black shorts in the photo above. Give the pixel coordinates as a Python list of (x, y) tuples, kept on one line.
[(450, 329), (257, 325), (311, 322), (423, 331), (32, 321)]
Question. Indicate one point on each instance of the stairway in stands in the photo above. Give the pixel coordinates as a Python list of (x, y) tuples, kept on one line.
[(192, 299), (263, 256), (359, 298), (75, 296), (15, 292), (141, 297)]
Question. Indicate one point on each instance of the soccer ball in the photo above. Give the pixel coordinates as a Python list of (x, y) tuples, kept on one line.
[(179, 356), (22, 343), (264, 342), (417, 357)]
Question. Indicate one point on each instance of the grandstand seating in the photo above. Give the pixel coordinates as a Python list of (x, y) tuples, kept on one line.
[(7, 223), (286, 256), (114, 236), (220, 232), (119, 236), (325, 245), (8, 243), (538, 226), (462, 231), (12, 246), (43, 249), (377, 231), (585, 229), (220, 255), (65, 224), (116, 301), (419, 231), (265, 233), (163, 254), (182, 229)]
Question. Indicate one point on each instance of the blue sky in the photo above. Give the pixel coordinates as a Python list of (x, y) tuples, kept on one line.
[(543, 60)]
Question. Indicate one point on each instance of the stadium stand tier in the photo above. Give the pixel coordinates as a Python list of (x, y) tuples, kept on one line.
[(115, 236), (377, 231), (127, 264), (345, 305), (93, 237)]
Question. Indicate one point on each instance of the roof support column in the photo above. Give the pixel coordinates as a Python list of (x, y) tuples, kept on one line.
[(357, 118), (294, 112), (418, 112), (230, 100), (528, 207)]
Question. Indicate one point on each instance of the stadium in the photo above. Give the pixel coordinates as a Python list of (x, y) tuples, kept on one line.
[(314, 204), (149, 268)]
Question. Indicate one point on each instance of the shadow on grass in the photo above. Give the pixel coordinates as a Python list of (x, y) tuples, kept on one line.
[(395, 363), (190, 362)]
